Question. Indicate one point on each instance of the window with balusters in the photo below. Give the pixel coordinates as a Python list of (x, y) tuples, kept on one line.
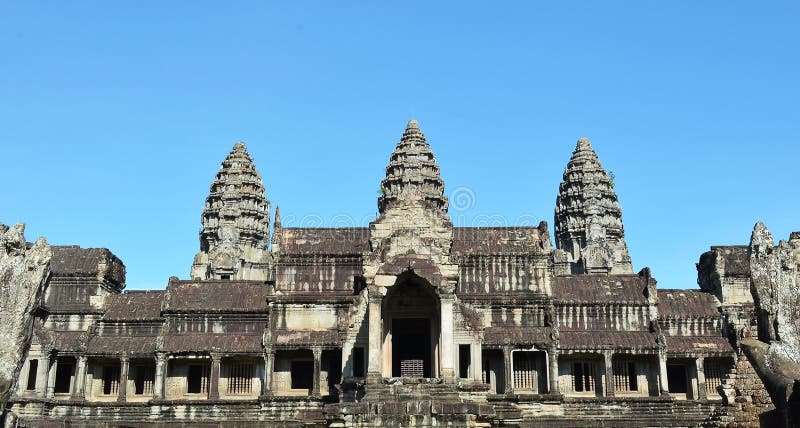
[(197, 379), (714, 370), (143, 379), (583, 376), (625, 379), (111, 380), (526, 372), (240, 379)]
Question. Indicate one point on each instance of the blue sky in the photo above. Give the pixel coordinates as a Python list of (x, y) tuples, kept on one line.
[(114, 116)]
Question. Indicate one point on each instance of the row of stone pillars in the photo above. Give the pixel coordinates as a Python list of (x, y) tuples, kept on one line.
[(46, 376), (609, 373)]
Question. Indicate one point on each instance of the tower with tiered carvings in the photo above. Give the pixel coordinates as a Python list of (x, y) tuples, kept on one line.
[(235, 233), (588, 219)]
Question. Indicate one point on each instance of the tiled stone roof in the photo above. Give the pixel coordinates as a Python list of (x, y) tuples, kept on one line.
[(686, 304), (324, 241), (600, 289), (497, 240), (136, 345), (210, 342), (306, 337), (134, 306), (607, 339), (73, 260), (68, 341), (692, 344), (216, 296)]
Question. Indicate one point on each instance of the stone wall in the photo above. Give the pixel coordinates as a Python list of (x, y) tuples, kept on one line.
[(752, 399)]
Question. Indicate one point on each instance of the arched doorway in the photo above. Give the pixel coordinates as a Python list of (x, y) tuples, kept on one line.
[(410, 314)]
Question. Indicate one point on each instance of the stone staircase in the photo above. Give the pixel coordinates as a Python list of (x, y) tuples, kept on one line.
[(626, 413), (411, 401)]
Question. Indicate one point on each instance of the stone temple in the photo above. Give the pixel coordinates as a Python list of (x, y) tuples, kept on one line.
[(409, 321)]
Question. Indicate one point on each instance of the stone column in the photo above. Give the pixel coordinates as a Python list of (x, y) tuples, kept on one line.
[(446, 334), (124, 367), (347, 358), (374, 366), (269, 362), (701, 378), (79, 392), (508, 369), (554, 387), (42, 373), (662, 369), (213, 381), (477, 361), (315, 388), (160, 375), (51, 378), (609, 386)]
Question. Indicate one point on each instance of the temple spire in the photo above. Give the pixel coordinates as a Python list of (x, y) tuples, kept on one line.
[(233, 240), (277, 217), (277, 232), (412, 173), (588, 218)]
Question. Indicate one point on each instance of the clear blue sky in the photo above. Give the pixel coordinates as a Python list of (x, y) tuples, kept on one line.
[(114, 116)]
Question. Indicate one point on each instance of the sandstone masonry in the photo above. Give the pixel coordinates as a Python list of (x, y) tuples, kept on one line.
[(408, 321)]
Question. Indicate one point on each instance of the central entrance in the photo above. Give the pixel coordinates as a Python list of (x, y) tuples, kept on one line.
[(410, 315), (411, 347)]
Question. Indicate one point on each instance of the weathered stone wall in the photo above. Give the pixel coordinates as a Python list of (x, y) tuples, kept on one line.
[(751, 400), (23, 272)]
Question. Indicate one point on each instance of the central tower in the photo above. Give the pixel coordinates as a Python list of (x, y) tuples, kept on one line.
[(408, 269), (412, 173)]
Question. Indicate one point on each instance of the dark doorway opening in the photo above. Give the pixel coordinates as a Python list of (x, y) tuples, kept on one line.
[(411, 343), (494, 370), (302, 374), (332, 365), (676, 379), (197, 379), (358, 362), (64, 372), (463, 361), (33, 367)]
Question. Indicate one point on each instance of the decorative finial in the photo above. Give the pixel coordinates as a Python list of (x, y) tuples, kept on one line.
[(412, 124), (583, 141), (239, 145), (277, 216)]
